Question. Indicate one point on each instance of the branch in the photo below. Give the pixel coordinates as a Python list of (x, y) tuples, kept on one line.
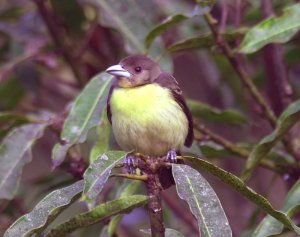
[(59, 42), (241, 152), (280, 91), (245, 78), (131, 176), (237, 66)]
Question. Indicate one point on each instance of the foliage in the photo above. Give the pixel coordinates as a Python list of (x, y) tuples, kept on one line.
[(56, 148)]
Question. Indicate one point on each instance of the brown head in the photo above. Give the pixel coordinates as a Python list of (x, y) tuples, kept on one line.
[(135, 70)]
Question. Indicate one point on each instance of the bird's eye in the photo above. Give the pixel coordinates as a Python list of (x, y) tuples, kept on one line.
[(138, 69)]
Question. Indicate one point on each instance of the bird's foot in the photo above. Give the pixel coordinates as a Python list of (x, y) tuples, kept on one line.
[(172, 156), (130, 164)]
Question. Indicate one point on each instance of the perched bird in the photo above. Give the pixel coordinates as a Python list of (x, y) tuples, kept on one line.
[(147, 110)]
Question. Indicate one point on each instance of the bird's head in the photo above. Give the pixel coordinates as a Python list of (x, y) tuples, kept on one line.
[(135, 70)]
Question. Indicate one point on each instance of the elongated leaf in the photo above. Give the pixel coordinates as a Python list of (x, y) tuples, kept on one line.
[(202, 200), (45, 211), (15, 152), (133, 21), (273, 30), (269, 226), (98, 172), (102, 144), (286, 120), (238, 185), (168, 232), (212, 114), (205, 40), (119, 206), (128, 191), (85, 113), (162, 27)]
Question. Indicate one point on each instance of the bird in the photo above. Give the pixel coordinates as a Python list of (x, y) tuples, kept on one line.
[(147, 110)]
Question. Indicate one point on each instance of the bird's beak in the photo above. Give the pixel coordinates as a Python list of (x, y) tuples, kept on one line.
[(118, 70)]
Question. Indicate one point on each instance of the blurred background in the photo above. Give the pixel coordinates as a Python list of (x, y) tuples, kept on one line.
[(49, 49)]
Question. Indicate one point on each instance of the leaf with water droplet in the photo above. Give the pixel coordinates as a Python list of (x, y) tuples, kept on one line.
[(238, 185), (85, 113), (98, 172), (45, 211), (273, 30), (202, 200)]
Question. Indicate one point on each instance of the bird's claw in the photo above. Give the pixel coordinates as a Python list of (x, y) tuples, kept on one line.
[(172, 156), (130, 164)]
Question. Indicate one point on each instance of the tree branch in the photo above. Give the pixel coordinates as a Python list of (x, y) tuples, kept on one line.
[(241, 152), (237, 66), (59, 42), (280, 91)]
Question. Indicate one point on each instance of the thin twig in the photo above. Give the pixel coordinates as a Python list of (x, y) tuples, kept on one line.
[(239, 151), (131, 176), (59, 42), (224, 15), (280, 91), (237, 66), (245, 78)]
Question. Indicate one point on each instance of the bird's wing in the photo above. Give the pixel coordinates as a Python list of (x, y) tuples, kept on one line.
[(168, 81), (108, 109)]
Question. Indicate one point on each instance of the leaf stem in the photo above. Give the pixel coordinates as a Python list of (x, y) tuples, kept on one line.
[(131, 176)]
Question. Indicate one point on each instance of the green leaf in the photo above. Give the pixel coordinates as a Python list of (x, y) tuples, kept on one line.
[(10, 120), (102, 144), (168, 232), (98, 172), (273, 30), (238, 185), (205, 40), (115, 221), (133, 21), (162, 27), (286, 120), (269, 226), (212, 114), (45, 211), (106, 210), (15, 152), (202, 200), (85, 113)]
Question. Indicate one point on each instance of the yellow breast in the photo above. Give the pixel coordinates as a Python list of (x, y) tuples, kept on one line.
[(147, 119)]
